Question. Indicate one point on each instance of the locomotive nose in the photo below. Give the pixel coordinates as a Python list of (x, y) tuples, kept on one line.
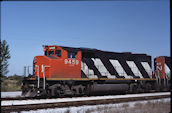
[(41, 66)]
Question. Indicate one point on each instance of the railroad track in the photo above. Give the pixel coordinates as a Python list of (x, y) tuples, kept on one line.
[(14, 98), (26, 105)]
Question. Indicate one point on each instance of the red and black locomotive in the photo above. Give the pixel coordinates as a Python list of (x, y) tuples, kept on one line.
[(67, 71)]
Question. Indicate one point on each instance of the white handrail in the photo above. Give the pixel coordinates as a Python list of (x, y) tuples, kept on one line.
[(43, 68)]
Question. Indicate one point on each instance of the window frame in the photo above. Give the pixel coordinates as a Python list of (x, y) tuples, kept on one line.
[(45, 53)]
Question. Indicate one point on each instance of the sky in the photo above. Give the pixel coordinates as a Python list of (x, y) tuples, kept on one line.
[(119, 26)]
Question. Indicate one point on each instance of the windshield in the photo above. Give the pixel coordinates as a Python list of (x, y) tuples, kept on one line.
[(51, 53)]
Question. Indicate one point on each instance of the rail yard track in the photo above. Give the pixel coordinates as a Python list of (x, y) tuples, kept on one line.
[(21, 104)]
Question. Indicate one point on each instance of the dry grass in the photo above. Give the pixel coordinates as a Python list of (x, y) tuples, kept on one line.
[(125, 105), (10, 85)]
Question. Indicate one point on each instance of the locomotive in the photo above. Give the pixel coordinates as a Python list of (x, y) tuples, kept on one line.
[(67, 71)]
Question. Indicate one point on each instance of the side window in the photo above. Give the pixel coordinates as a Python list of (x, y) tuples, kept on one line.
[(45, 53), (58, 53), (72, 54), (51, 53)]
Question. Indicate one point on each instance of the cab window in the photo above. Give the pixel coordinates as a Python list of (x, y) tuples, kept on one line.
[(51, 53), (71, 54), (58, 53)]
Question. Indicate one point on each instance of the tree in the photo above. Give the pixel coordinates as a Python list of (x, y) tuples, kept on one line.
[(4, 56)]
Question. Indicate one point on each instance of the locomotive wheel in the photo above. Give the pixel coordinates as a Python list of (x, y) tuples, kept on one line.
[(49, 93), (133, 88)]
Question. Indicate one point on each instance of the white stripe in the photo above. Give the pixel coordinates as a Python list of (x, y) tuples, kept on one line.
[(167, 71), (134, 68), (101, 68), (119, 69), (147, 68), (88, 72)]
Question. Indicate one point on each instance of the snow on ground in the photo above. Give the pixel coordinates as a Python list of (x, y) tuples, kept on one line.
[(10, 94), (96, 108), (23, 102)]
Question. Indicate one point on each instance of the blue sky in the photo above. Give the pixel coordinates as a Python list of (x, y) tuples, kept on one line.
[(119, 26)]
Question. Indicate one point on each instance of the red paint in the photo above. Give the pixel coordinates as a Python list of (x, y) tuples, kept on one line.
[(160, 67)]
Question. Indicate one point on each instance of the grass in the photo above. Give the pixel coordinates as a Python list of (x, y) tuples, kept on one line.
[(11, 85)]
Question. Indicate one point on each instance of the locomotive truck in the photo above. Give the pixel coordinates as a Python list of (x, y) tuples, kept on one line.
[(67, 71)]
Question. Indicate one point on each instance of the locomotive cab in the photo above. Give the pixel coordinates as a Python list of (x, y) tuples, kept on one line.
[(57, 62), (42, 64)]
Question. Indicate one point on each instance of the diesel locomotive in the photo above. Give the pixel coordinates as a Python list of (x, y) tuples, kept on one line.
[(67, 71)]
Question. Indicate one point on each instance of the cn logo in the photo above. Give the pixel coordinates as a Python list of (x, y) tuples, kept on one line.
[(159, 66)]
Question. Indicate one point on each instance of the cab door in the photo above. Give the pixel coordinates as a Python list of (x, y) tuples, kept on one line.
[(73, 64)]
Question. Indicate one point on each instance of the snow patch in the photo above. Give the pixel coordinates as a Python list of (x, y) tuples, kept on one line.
[(10, 94), (92, 108)]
